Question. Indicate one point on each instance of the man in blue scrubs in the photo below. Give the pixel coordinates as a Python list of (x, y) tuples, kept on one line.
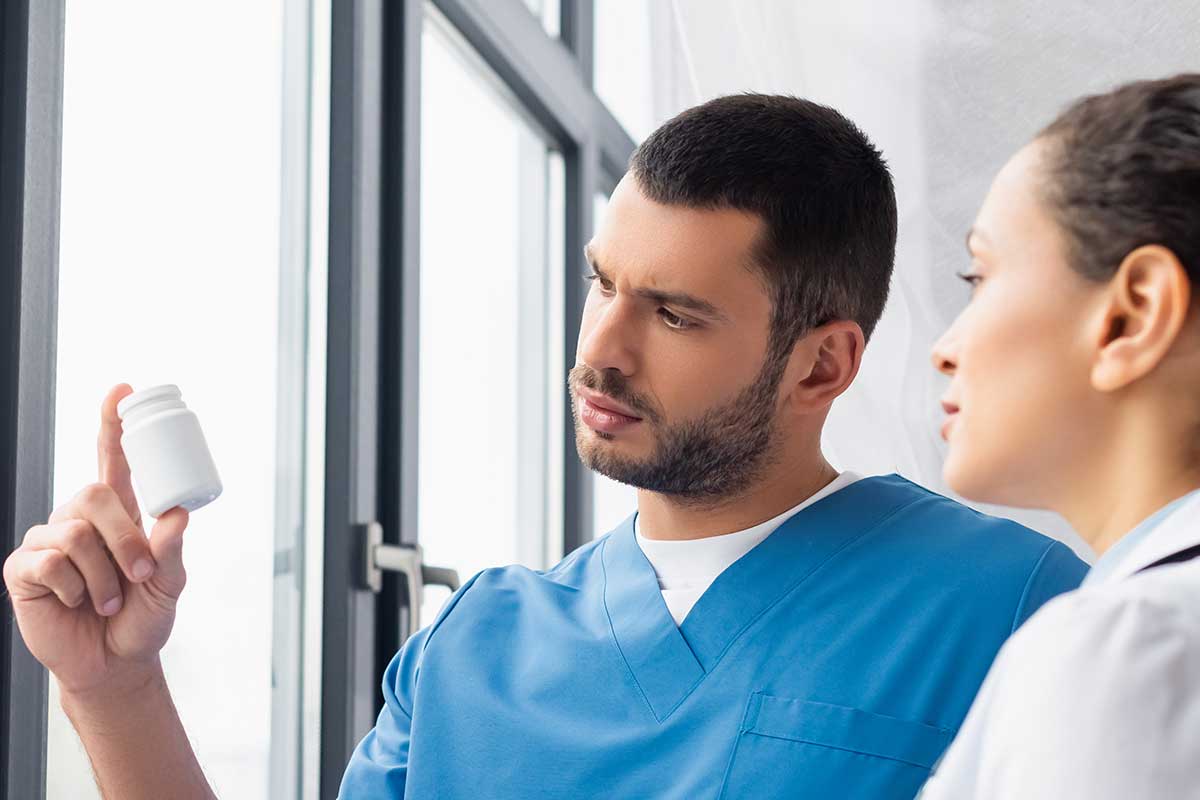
[(764, 625)]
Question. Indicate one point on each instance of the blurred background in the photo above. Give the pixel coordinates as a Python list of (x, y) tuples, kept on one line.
[(214, 201)]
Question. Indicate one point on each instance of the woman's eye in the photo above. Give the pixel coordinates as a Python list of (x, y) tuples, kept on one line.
[(974, 279), (674, 321)]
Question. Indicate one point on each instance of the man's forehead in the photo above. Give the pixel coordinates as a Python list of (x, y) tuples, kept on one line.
[(668, 266), (694, 242)]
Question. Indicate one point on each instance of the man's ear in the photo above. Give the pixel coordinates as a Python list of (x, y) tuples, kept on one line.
[(1145, 309), (823, 364)]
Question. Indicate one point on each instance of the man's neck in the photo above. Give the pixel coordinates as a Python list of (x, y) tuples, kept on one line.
[(664, 517)]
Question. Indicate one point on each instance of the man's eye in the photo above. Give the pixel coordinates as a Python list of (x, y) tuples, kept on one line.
[(605, 286), (674, 321)]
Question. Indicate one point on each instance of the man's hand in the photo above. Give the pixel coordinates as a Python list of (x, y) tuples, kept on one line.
[(93, 597), (95, 602)]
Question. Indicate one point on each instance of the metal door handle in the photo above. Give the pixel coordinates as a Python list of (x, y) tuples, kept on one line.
[(405, 559)]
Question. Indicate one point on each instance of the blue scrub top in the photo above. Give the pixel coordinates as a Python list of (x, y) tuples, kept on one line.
[(835, 659)]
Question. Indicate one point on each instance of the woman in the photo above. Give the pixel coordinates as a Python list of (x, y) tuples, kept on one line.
[(1075, 386)]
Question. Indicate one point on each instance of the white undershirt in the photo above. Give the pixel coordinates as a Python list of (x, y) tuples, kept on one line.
[(687, 567)]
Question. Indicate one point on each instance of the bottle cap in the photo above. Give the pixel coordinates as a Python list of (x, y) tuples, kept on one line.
[(164, 391)]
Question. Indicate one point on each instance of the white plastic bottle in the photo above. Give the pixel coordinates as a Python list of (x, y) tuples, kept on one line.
[(167, 454)]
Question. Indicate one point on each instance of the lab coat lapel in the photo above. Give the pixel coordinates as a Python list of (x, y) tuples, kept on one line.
[(661, 662), (1177, 532)]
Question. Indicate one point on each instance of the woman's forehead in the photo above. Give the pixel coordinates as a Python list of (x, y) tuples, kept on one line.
[(1014, 215)]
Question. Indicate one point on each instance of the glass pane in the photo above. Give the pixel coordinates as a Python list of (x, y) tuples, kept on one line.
[(626, 66), (304, 743), (549, 13), (180, 263), (491, 199), (612, 502)]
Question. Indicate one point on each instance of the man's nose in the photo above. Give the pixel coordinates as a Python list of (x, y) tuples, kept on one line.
[(606, 339)]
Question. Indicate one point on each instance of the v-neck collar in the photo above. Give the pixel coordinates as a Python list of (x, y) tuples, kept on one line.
[(669, 661)]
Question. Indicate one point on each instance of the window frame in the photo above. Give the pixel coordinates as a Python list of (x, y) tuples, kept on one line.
[(31, 81), (372, 387)]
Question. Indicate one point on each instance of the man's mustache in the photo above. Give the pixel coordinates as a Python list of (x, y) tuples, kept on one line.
[(613, 385)]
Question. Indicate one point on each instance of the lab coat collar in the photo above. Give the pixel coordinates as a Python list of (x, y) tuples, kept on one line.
[(667, 661), (1179, 531)]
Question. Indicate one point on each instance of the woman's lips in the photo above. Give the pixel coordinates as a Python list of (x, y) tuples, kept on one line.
[(947, 425), (951, 412)]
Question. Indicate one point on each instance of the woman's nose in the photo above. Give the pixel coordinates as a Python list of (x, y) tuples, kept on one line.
[(944, 360)]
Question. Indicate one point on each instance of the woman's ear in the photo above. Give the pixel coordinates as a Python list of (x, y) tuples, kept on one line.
[(1146, 307), (824, 364)]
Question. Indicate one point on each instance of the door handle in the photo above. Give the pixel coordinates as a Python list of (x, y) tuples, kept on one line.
[(405, 559)]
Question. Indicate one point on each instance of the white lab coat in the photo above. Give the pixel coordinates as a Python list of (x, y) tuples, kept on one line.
[(1097, 696)]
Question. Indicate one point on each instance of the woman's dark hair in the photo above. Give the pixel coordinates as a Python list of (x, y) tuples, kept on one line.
[(819, 185), (1123, 171)]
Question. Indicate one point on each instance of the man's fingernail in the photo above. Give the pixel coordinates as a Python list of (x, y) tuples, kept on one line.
[(142, 569), (111, 607)]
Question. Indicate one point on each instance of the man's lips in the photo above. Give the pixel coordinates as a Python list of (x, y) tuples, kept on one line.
[(605, 403)]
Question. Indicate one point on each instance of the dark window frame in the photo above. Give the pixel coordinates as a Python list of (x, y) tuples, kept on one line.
[(31, 74)]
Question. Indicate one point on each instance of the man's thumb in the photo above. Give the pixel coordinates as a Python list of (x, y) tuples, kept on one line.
[(166, 542)]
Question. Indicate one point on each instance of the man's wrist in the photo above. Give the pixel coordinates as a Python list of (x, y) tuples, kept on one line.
[(119, 694), (133, 735)]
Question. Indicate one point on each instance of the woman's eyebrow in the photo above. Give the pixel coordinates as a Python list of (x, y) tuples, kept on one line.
[(678, 299)]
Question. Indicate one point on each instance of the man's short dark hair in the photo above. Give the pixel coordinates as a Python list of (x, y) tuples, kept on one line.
[(821, 188), (1123, 170)]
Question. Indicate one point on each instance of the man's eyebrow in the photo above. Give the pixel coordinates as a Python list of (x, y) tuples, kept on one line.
[(683, 300), (678, 299)]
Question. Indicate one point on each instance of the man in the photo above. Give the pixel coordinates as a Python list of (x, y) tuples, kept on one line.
[(763, 626)]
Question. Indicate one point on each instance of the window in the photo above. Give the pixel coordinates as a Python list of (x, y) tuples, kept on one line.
[(491, 213), (271, 277), (624, 59), (548, 13), (182, 261)]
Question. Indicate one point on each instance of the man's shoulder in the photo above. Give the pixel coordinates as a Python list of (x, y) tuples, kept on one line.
[(950, 529), (951, 544), (571, 573)]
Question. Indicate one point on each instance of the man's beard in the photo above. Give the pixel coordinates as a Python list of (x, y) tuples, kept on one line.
[(699, 462)]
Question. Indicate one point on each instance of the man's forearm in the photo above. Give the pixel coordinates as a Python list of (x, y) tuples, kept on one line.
[(136, 741)]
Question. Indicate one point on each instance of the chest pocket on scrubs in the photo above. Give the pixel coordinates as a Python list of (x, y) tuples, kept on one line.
[(801, 748)]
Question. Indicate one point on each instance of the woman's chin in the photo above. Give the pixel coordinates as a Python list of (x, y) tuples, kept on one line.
[(965, 479), (993, 483)]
